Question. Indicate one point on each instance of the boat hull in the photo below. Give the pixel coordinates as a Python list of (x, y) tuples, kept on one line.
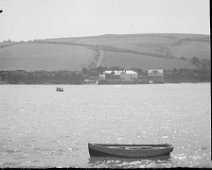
[(129, 151)]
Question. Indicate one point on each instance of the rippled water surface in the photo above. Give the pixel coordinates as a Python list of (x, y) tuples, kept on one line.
[(40, 127)]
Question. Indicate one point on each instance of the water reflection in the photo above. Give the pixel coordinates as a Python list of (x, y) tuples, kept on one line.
[(115, 162)]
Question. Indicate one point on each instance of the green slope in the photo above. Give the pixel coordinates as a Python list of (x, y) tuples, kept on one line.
[(142, 61), (138, 50), (33, 56), (175, 45)]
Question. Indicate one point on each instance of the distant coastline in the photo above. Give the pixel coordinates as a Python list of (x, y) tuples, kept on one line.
[(81, 60), (91, 76)]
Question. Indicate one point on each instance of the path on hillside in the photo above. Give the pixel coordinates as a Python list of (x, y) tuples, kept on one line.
[(97, 59), (100, 57)]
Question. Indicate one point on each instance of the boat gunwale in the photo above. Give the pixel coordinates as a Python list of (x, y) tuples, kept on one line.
[(154, 145), (136, 146)]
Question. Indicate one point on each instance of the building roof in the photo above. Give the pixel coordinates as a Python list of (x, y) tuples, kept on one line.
[(155, 70), (118, 72), (131, 72)]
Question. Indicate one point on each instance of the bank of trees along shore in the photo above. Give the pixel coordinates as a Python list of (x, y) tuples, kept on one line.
[(200, 73), (41, 77)]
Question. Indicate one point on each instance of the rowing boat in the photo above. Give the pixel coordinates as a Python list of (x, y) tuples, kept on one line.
[(129, 150), (59, 89)]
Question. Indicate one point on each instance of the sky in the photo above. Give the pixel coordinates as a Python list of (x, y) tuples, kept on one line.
[(23, 20)]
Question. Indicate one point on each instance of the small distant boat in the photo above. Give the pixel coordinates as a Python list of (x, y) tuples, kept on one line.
[(59, 89), (129, 150)]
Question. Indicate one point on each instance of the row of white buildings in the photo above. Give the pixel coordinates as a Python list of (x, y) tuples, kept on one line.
[(153, 75)]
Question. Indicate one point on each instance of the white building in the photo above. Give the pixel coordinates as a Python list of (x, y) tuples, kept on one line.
[(127, 75)]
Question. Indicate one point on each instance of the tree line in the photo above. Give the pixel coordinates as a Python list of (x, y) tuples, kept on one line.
[(200, 73), (41, 77)]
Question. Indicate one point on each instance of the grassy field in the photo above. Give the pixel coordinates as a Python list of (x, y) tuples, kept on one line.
[(175, 45), (145, 51), (33, 56), (145, 62)]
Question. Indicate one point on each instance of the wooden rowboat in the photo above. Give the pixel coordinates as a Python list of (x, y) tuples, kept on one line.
[(129, 150), (59, 89)]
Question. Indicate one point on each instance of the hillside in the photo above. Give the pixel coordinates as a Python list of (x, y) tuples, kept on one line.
[(144, 51), (33, 56)]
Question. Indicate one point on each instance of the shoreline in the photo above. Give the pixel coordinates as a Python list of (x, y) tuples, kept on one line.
[(102, 84)]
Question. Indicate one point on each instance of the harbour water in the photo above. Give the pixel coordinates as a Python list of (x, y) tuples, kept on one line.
[(41, 128)]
